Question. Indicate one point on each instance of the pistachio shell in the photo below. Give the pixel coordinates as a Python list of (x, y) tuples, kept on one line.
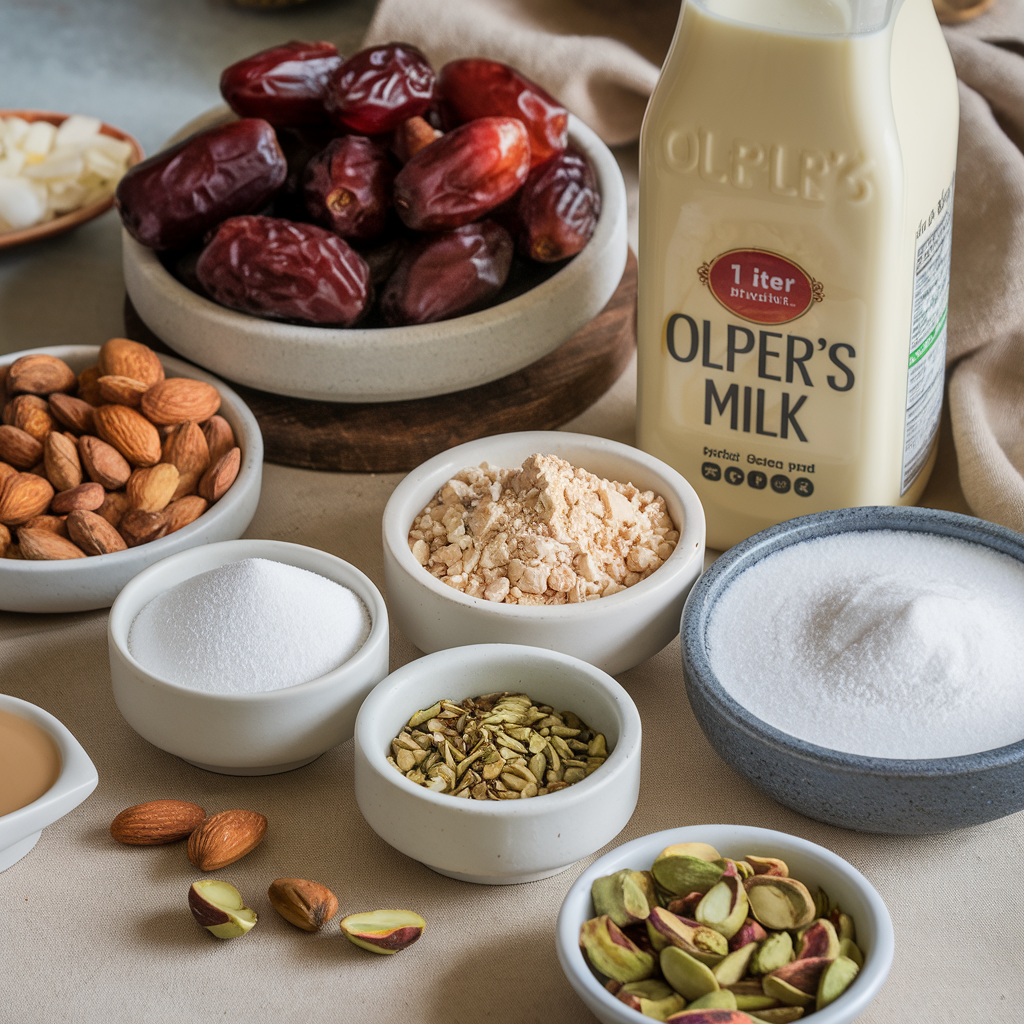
[(723, 999), (850, 949), (779, 903), (775, 951), (818, 939), (734, 967), (786, 993), (621, 897), (613, 953), (724, 906), (688, 976), (768, 866), (683, 873), (835, 980)]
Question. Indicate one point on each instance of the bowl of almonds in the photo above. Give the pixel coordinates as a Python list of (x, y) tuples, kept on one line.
[(112, 458)]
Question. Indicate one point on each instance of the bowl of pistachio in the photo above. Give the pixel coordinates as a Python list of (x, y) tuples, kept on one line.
[(724, 924)]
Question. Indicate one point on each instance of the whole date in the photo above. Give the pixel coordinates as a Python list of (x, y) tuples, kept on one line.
[(463, 174), (558, 207), (487, 88), (172, 199), (448, 274), (375, 90), (285, 271), (285, 85), (347, 187)]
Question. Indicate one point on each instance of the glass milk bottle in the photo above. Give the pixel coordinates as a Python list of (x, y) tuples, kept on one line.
[(796, 188)]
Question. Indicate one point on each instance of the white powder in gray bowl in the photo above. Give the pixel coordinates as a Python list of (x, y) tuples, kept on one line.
[(249, 626), (882, 643)]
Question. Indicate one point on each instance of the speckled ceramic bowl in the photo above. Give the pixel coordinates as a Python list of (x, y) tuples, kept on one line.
[(869, 794)]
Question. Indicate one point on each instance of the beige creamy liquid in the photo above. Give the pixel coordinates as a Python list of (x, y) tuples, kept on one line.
[(795, 226), (29, 762)]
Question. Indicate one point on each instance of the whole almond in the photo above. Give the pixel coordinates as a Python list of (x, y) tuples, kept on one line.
[(149, 490), (40, 374), (142, 527), (6, 470), (72, 413), (87, 496), (114, 506), (31, 414), (93, 534), (55, 524), (13, 551), (5, 539), (179, 399), (43, 546), (23, 496), (157, 822), (220, 476), (305, 904), (129, 432), (123, 358), (60, 457), (187, 449), (220, 438), (184, 511), (121, 390), (225, 838), (21, 450), (103, 462), (88, 390)]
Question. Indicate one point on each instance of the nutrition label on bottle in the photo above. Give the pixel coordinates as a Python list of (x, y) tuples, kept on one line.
[(927, 336)]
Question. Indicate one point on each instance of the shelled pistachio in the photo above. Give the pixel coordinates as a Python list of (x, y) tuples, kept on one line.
[(499, 746)]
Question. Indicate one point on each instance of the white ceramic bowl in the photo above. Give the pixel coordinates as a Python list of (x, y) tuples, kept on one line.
[(614, 633), (80, 584), (19, 830), (396, 363), (812, 864), (487, 841), (243, 733)]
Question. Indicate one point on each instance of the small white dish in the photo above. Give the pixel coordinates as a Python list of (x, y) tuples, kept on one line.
[(20, 830), (245, 733), (81, 584), (811, 864), (486, 841), (389, 364), (614, 633)]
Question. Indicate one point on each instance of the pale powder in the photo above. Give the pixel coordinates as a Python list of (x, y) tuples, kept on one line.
[(548, 533)]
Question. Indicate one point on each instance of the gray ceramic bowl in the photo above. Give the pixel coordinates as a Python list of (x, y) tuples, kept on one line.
[(869, 794)]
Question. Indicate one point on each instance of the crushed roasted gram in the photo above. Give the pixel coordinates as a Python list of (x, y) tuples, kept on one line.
[(548, 533)]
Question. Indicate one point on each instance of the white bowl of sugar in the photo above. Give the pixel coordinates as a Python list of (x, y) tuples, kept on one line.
[(866, 667), (247, 657)]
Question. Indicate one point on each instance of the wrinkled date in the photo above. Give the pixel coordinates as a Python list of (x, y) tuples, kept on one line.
[(463, 175), (285, 85), (558, 207), (485, 88), (376, 89), (175, 197), (285, 271), (347, 187), (451, 273)]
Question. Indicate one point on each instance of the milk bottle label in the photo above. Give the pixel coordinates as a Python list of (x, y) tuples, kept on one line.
[(760, 286)]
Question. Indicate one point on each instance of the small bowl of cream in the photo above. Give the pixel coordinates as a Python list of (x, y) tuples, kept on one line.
[(866, 667), (44, 774), (247, 657)]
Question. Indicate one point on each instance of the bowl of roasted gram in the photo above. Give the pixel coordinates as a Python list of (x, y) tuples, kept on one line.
[(111, 459), (385, 232), (863, 666), (564, 541), (724, 924)]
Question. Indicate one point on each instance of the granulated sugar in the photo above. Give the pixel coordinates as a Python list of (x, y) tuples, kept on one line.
[(249, 626), (885, 643)]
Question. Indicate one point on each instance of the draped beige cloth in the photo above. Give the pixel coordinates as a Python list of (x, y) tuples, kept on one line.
[(601, 58)]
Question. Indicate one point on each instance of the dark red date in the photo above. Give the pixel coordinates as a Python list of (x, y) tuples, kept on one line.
[(558, 207), (376, 89), (486, 88), (448, 274), (347, 187), (463, 174), (285, 85), (172, 199), (285, 271)]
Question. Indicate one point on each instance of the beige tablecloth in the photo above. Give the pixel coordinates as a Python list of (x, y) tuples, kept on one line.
[(96, 932)]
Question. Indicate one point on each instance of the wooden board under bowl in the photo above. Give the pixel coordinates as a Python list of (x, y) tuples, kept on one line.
[(383, 437)]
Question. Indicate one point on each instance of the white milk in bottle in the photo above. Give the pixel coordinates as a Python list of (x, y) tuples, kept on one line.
[(797, 163)]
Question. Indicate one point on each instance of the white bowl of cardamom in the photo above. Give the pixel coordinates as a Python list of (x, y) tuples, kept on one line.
[(590, 549), (485, 821)]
